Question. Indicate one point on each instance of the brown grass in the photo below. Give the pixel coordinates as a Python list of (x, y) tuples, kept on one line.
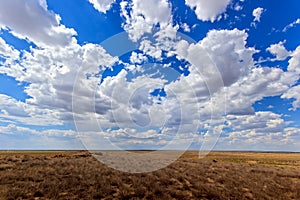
[(220, 175)]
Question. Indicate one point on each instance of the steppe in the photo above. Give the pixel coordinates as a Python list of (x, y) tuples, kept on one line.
[(219, 175)]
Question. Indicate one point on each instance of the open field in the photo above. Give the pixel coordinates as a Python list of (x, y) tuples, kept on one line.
[(220, 175)]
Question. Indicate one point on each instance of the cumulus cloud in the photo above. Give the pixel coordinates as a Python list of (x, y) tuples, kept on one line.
[(259, 131), (279, 51), (294, 62), (33, 21), (260, 82), (211, 59), (257, 141), (242, 89), (133, 98), (102, 5), (50, 75), (12, 137), (229, 53), (15, 111), (19, 130), (293, 93), (165, 39), (208, 10), (68, 139), (140, 18), (221, 65), (65, 79), (137, 58), (220, 55), (262, 122), (7, 52)]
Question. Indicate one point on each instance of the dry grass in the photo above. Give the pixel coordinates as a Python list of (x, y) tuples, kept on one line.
[(263, 158), (220, 175)]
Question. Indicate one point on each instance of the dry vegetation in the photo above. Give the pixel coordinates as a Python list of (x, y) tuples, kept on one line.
[(220, 175)]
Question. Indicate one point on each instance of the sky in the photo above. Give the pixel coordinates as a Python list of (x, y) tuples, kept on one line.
[(155, 74)]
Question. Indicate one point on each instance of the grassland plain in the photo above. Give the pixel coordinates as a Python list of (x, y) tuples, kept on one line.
[(220, 175)]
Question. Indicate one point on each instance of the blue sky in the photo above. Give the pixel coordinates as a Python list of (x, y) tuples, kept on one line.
[(155, 74)]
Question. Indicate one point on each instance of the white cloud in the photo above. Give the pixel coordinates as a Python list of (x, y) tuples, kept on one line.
[(279, 51), (141, 18), (102, 5), (66, 139), (51, 73), (15, 111), (257, 14), (127, 103), (150, 49), (227, 49), (238, 7), (293, 67), (293, 93), (185, 27), (7, 52), (259, 131), (134, 106), (19, 130), (220, 53), (208, 10), (261, 82), (293, 134), (257, 141), (291, 25), (13, 137), (294, 62), (221, 64), (164, 39), (137, 58), (31, 20), (270, 107), (262, 122), (212, 60)]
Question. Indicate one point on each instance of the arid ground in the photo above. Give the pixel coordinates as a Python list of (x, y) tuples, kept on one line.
[(220, 175)]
